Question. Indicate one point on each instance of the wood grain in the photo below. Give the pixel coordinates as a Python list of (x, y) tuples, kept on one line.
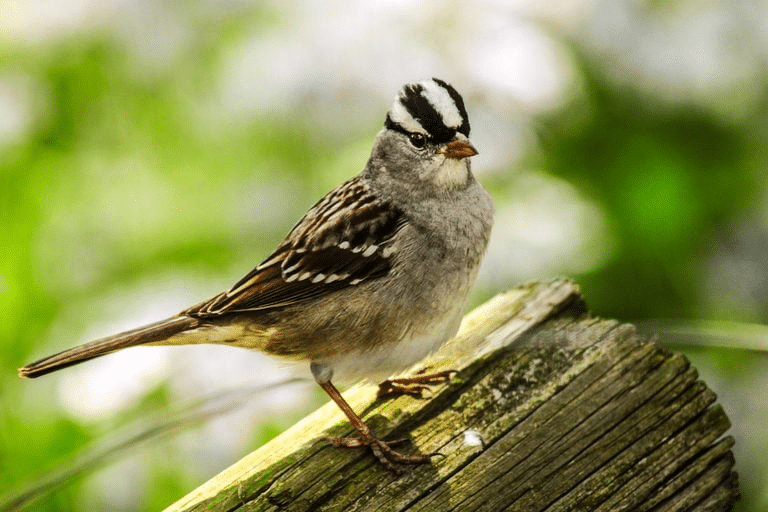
[(573, 413)]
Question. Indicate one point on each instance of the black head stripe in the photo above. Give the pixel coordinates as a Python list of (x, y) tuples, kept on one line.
[(389, 124), (459, 101), (432, 107), (422, 110)]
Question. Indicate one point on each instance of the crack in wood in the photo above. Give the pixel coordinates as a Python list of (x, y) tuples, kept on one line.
[(575, 413)]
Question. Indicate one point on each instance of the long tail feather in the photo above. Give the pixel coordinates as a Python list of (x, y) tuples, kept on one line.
[(151, 333)]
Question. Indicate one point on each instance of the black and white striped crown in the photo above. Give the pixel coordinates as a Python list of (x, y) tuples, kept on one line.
[(432, 107)]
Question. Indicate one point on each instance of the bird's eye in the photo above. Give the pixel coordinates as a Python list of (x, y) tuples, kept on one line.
[(417, 139)]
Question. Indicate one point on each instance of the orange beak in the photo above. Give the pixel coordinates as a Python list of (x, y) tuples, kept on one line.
[(459, 148)]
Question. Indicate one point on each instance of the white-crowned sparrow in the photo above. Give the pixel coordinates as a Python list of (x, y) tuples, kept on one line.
[(373, 278)]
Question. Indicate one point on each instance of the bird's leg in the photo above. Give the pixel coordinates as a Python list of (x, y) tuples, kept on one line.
[(383, 451), (413, 386)]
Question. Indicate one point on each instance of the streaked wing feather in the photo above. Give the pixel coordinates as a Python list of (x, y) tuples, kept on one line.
[(342, 241)]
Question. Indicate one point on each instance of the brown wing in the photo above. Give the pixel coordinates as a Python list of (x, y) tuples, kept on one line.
[(343, 240)]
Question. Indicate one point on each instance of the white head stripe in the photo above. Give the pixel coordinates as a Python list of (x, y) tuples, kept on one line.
[(401, 116), (443, 103), (432, 108)]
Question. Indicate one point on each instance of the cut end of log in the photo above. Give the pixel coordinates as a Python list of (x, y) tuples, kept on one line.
[(564, 412)]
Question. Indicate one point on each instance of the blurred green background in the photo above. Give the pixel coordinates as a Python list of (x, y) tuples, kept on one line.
[(151, 153)]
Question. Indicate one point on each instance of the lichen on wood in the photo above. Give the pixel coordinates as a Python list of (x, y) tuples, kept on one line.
[(566, 412)]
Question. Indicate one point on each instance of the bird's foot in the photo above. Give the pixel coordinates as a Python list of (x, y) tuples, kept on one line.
[(413, 386), (386, 455)]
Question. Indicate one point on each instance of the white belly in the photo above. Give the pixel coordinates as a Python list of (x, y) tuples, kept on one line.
[(386, 360)]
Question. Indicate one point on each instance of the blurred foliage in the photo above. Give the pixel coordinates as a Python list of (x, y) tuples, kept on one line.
[(671, 178), (105, 137), (119, 178)]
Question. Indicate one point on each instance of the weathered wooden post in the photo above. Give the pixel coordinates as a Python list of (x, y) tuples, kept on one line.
[(551, 409)]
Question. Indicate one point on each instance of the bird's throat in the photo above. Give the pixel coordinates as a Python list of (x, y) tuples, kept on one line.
[(451, 174)]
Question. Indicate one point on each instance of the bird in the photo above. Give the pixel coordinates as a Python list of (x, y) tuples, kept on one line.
[(374, 277)]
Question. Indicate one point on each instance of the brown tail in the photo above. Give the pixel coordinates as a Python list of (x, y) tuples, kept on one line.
[(151, 333)]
